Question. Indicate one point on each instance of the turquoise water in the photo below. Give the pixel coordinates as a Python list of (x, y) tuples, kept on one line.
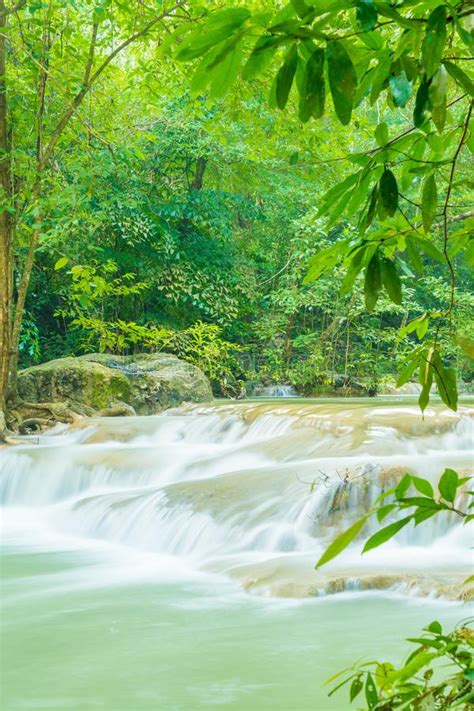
[(71, 641), (165, 563)]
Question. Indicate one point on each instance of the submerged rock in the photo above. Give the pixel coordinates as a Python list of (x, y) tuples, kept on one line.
[(148, 383)]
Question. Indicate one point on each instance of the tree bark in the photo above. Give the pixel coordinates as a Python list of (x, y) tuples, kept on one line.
[(11, 315), (5, 225)]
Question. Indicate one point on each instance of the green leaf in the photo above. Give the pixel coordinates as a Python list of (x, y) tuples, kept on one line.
[(381, 134), (391, 280), (342, 80), (383, 511), (407, 373), (301, 8), (410, 669), (423, 486), (429, 249), (219, 26), (437, 97), (285, 77), (336, 191), (466, 343), (438, 114), (356, 688), (353, 270), (421, 103), (62, 261), (389, 192), (341, 542), (366, 15), (402, 486), (226, 72), (313, 89), (448, 485), (460, 77), (423, 514), (435, 627), (434, 41), (429, 201), (446, 382), (426, 381), (438, 87), (371, 695), (380, 75), (99, 14), (401, 89), (423, 502), (372, 205), (261, 55), (414, 255), (372, 282), (385, 534), (422, 328)]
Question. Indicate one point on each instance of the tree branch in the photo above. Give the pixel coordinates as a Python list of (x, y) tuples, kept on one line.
[(446, 207), (15, 8), (90, 79)]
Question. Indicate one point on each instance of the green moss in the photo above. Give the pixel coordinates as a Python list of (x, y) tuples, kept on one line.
[(148, 383)]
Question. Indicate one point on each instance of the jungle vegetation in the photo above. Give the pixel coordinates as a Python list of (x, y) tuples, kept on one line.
[(278, 192)]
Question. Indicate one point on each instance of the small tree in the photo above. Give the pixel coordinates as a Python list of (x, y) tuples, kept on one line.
[(53, 56)]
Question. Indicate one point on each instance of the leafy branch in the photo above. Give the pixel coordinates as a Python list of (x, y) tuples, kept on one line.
[(423, 507), (410, 686)]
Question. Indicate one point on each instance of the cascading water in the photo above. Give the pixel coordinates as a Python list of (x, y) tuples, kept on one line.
[(230, 496)]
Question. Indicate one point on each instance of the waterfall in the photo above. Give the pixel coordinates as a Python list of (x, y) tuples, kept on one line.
[(251, 491)]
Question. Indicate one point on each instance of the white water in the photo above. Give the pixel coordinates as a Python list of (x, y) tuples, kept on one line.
[(203, 502)]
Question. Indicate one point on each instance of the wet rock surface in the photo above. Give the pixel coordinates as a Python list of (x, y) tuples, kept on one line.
[(97, 382)]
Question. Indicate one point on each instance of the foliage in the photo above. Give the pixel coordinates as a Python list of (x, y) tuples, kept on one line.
[(200, 344), (365, 52), (429, 504), (92, 298), (217, 205), (30, 339), (417, 683)]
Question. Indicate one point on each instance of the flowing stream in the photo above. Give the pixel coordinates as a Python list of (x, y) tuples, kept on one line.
[(167, 562)]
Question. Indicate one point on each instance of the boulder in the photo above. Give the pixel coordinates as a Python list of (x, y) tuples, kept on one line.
[(92, 383)]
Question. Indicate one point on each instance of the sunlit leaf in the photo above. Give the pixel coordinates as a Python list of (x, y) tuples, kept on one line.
[(448, 485), (384, 534), (423, 486), (341, 542)]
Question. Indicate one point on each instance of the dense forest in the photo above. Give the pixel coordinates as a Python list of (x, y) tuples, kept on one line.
[(212, 201), (146, 213)]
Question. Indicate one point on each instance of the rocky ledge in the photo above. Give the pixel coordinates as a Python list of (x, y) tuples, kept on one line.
[(106, 384)]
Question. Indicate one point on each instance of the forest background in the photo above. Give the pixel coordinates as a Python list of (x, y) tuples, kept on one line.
[(170, 218)]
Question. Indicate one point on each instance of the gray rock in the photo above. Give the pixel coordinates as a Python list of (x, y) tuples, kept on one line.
[(148, 383)]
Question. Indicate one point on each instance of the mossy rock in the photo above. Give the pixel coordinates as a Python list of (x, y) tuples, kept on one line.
[(148, 382)]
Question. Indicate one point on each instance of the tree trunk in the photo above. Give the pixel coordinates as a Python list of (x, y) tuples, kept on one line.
[(199, 175), (5, 226)]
